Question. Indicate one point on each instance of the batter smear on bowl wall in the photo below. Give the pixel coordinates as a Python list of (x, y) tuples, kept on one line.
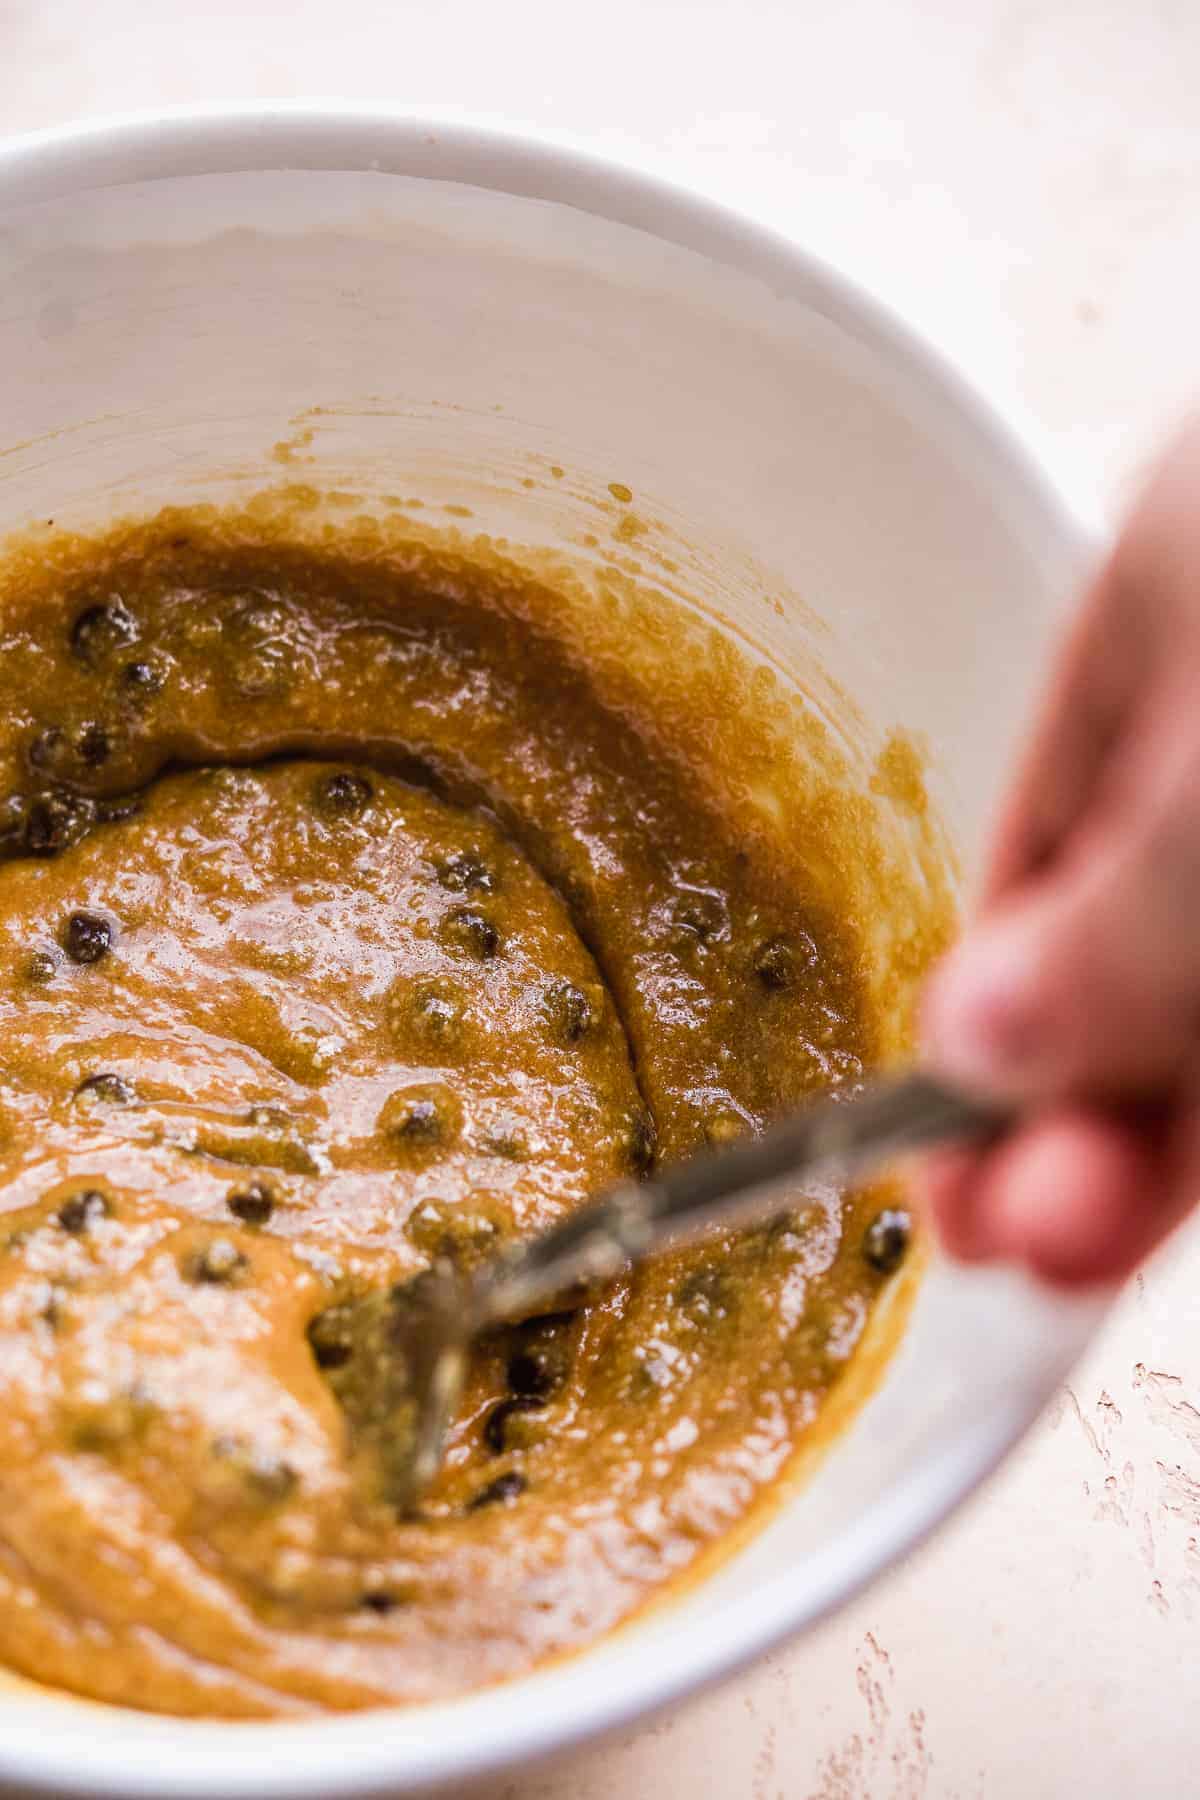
[(368, 901)]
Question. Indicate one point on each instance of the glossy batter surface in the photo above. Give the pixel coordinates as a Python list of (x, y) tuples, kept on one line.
[(346, 922)]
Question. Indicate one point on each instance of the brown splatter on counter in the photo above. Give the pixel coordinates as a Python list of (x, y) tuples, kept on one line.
[(369, 899)]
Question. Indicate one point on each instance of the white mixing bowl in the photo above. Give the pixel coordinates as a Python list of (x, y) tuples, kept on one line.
[(469, 312)]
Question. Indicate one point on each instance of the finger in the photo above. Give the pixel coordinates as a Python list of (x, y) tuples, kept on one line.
[(1080, 717), (949, 1189), (1142, 612), (1087, 979), (1078, 1197)]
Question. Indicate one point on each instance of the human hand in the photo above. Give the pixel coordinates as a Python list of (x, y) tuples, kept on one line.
[(1077, 988)]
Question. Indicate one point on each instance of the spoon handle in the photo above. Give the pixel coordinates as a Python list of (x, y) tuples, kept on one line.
[(745, 1183)]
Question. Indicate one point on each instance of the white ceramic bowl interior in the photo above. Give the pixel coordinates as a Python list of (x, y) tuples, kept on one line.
[(467, 312)]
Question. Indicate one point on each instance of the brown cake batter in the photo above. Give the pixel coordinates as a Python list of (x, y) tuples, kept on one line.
[(348, 921)]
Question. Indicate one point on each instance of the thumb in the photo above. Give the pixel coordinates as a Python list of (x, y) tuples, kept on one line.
[(1086, 980)]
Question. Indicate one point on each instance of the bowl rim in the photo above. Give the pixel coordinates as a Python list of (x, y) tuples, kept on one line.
[(86, 1749)]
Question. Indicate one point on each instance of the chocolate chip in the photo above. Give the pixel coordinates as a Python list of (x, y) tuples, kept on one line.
[(105, 1422), (93, 745), (571, 1012), (540, 1356), (446, 1230), (109, 1089), (472, 930), (417, 1118), (701, 913), (782, 962), (502, 1491), (344, 795), (465, 872), (273, 1478), (377, 1601), (331, 1337), (82, 1211), (437, 1016), (495, 1426), (775, 964), (886, 1240), (219, 1264), (534, 1373), (55, 820), (421, 1120), (507, 1138), (100, 630), (142, 678), (55, 752), (87, 937), (705, 1295), (253, 1204)]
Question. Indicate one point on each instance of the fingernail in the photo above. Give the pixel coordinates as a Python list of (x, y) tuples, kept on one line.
[(977, 1024)]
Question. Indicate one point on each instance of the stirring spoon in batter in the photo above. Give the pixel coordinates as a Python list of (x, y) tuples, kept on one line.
[(420, 1337)]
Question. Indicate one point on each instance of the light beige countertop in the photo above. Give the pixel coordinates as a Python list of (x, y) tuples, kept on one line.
[(1022, 180)]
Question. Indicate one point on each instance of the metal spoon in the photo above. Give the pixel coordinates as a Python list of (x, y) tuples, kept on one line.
[(416, 1339)]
